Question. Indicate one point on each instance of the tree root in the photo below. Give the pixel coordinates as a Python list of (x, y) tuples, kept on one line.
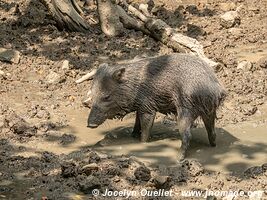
[(67, 14)]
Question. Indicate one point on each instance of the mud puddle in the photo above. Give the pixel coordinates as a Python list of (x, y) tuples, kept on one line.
[(239, 146)]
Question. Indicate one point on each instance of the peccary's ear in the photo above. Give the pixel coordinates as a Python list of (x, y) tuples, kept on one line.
[(118, 75)]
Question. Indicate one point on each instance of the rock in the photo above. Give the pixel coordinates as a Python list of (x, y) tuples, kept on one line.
[(235, 31), (9, 55), (69, 169), (229, 19), (65, 65), (262, 62), (87, 169), (162, 182), (54, 78), (142, 173), (20, 127), (90, 183), (244, 65)]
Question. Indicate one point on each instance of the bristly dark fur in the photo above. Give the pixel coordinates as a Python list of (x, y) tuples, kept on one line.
[(164, 84)]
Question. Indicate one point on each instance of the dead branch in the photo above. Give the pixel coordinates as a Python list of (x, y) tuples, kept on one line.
[(86, 76)]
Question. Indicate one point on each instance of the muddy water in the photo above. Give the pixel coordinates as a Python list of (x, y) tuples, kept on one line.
[(239, 146)]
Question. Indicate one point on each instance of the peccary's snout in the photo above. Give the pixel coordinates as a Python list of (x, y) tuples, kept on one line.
[(96, 117)]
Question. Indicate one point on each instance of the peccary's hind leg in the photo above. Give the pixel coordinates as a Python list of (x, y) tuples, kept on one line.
[(209, 121), (146, 121), (137, 126), (184, 120)]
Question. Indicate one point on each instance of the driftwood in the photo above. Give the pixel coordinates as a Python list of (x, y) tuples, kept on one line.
[(86, 76)]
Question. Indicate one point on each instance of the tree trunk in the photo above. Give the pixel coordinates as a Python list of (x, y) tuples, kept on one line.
[(67, 14), (109, 18)]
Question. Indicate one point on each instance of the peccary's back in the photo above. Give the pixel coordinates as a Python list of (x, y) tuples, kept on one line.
[(177, 80)]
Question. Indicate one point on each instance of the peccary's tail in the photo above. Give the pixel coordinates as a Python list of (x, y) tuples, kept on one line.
[(208, 101)]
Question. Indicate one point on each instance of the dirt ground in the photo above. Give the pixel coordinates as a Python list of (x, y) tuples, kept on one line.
[(46, 151)]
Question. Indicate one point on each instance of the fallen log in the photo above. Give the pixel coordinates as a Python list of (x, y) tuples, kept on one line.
[(167, 35)]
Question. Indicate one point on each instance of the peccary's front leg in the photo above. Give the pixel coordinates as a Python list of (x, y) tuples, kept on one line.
[(137, 126), (185, 120), (146, 121)]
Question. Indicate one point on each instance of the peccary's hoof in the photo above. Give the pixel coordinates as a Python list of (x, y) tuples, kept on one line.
[(136, 134), (213, 144)]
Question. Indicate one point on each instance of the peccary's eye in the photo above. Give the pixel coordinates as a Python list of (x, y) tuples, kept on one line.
[(106, 98)]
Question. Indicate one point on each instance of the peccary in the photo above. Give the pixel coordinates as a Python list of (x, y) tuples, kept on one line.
[(181, 84)]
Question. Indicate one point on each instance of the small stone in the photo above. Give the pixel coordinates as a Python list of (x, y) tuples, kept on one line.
[(9, 55), (116, 179), (244, 65), (65, 65), (87, 169), (54, 78), (235, 31), (23, 128), (90, 183), (142, 173), (2, 73), (229, 19), (262, 62)]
